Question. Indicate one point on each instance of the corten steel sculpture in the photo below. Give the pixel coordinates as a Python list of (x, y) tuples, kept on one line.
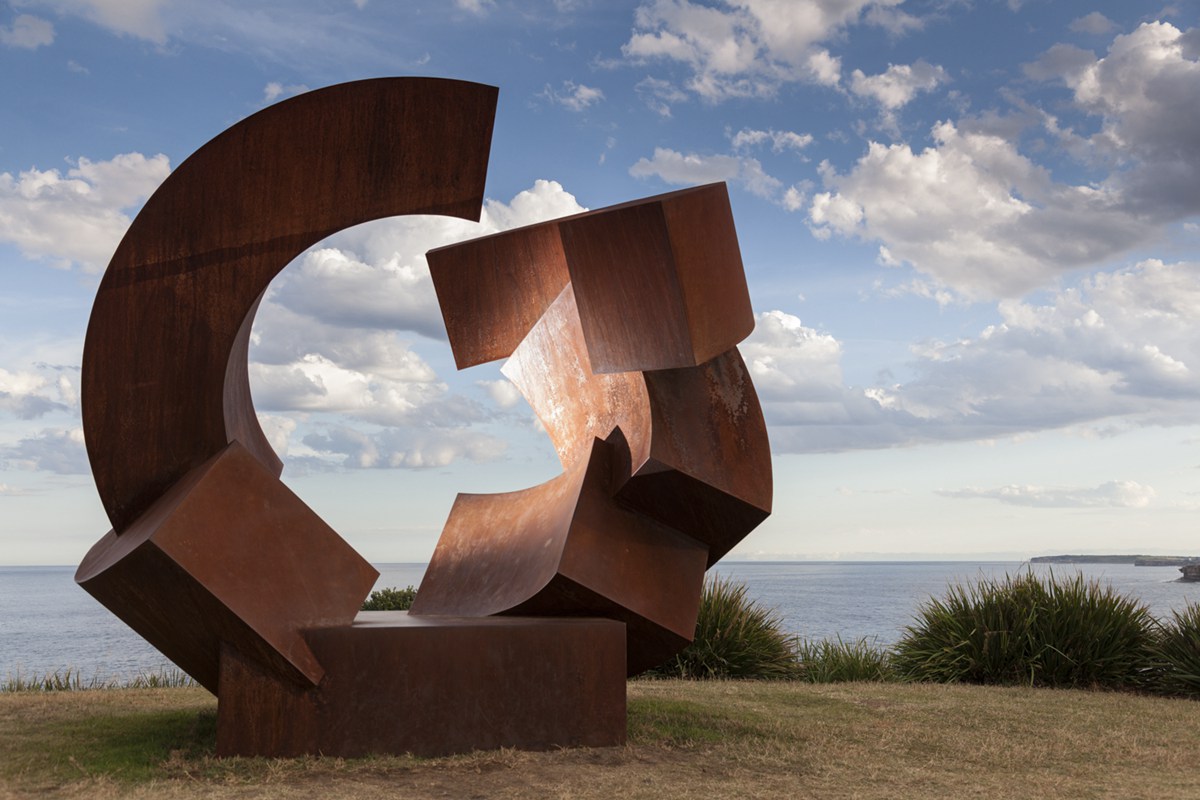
[(621, 325)]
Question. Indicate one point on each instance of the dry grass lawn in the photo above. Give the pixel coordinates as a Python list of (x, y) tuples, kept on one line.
[(712, 740)]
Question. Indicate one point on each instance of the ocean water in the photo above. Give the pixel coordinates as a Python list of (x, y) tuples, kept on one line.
[(49, 624)]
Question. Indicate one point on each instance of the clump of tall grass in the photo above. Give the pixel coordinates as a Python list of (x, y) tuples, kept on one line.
[(1064, 632), (393, 599), (69, 680), (1179, 649), (736, 637), (836, 661)]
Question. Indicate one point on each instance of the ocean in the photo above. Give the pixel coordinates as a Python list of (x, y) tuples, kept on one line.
[(49, 624)]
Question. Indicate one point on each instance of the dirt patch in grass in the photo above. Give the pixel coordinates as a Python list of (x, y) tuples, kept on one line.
[(686, 739)]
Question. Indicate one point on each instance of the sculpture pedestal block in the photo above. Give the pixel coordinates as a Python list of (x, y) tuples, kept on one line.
[(433, 686)]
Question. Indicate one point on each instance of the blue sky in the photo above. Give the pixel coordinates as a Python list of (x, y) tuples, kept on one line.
[(971, 230)]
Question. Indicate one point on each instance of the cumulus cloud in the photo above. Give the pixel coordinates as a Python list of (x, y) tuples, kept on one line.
[(748, 48), (978, 217), (28, 32), (1146, 93), (897, 86), (691, 169), (1119, 350), (975, 214), (1114, 494), (52, 450), (78, 217), (29, 394), (573, 96)]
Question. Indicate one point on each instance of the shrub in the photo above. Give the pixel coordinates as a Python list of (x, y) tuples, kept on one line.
[(835, 661), (735, 638), (1029, 630), (393, 599), (1179, 650)]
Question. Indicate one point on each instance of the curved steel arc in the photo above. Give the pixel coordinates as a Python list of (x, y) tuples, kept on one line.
[(164, 358)]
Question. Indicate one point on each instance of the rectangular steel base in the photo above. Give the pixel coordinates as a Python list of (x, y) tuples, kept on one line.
[(431, 686)]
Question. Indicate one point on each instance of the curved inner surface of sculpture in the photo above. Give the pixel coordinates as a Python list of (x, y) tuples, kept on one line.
[(620, 326)]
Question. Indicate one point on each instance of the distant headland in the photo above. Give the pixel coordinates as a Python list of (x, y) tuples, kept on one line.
[(1136, 560)]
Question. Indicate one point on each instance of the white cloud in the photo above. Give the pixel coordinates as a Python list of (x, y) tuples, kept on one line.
[(896, 87), (27, 31), (974, 214), (479, 7), (1146, 92), (574, 96), (659, 95), (1094, 23), (142, 19), (679, 169), (779, 140), (78, 217), (1114, 494), (11, 491), (29, 394), (277, 91), (55, 450), (1119, 350), (790, 362), (402, 448), (894, 20), (747, 48), (503, 392)]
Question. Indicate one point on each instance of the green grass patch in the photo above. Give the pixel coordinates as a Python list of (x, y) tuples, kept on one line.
[(684, 723)]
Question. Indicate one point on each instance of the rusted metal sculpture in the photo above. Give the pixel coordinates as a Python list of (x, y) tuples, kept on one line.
[(621, 325)]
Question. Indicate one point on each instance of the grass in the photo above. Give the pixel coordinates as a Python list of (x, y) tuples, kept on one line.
[(69, 680), (1179, 648), (686, 739), (835, 661), (736, 637), (1023, 629)]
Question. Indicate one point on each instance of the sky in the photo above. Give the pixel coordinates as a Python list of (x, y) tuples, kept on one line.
[(971, 232)]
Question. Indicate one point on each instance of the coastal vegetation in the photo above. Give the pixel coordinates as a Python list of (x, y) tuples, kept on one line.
[(393, 599), (1024, 629), (736, 637)]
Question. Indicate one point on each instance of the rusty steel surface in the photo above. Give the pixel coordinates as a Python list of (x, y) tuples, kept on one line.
[(633, 371), (401, 684), (620, 326)]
